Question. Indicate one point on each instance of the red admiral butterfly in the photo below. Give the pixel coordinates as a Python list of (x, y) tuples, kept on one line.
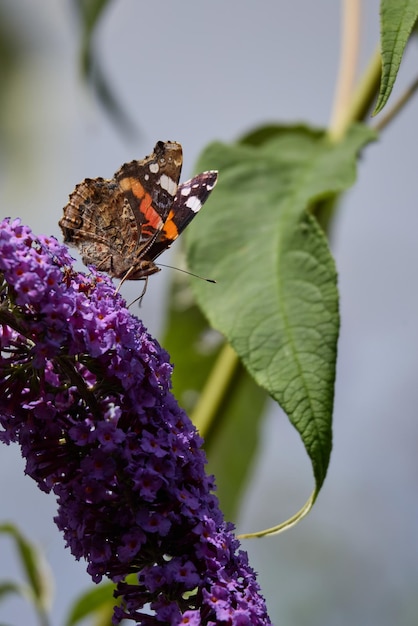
[(121, 225)]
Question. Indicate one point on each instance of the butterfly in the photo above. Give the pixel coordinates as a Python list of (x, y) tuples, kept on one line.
[(121, 225)]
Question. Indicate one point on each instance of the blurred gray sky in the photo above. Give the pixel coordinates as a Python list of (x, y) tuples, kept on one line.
[(193, 72)]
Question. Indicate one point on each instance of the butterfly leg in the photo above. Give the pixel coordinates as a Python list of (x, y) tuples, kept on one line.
[(139, 298), (126, 277)]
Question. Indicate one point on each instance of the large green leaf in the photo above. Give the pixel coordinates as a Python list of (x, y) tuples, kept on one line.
[(197, 351), (276, 297), (397, 19)]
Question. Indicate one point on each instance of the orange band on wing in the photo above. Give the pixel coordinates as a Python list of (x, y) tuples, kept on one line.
[(149, 214), (132, 184), (171, 231)]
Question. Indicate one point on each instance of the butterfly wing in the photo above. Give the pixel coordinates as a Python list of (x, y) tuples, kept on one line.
[(189, 199), (150, 186)]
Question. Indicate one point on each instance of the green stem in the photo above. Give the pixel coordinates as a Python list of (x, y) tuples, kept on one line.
[(357, 109), (215, 390), (397, 107), (361, 101)]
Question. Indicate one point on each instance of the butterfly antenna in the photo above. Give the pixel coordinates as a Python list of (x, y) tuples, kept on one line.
[(209, 280)]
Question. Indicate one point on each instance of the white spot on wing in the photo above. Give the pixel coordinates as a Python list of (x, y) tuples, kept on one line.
[(168, 184), (194, 204), (153, 168)]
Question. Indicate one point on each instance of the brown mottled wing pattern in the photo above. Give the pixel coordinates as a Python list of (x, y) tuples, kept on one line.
[(114, 222), (98, 220)]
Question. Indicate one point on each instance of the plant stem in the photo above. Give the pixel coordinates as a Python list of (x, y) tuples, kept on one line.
[(350, 38), (352, 105), (397, 107), (215, 389), (366, 91)]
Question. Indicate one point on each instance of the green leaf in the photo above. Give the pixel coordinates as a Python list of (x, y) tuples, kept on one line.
[(34, 566), (97, 602), (39, 588), (196, 350), (397, 19), (90, 12), (8, 587), (234, 439), (192, 345), (263, 134), (276, 297)]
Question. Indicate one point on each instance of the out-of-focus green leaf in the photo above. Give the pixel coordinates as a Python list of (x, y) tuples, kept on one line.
[(397, 19), (13, 47), (259, 136), (90, 12), (232, 437), (276, 298), (39, 588), (193, 347), (8, 587), (97, 603)]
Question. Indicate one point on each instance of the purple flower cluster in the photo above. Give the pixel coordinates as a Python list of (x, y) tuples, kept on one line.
[(85, 391)]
